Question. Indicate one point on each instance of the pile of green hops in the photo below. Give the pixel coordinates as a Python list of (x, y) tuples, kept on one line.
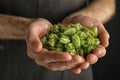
[(72, 38)]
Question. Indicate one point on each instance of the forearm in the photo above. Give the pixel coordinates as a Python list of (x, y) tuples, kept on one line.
[(102, 10), (13, 27)]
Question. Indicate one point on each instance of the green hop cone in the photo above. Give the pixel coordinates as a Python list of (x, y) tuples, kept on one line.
[(72, 38)]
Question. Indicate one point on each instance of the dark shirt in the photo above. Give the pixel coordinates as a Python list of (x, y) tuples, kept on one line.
[(53, 10), (14, 62)]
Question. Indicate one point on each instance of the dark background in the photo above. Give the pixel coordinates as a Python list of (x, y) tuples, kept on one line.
[(108, 67)]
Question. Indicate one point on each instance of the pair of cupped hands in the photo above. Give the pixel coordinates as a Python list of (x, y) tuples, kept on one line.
[(62, 60)]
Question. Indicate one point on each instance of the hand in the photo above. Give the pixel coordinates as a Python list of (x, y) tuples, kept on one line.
[(49, 59), (100, 51)]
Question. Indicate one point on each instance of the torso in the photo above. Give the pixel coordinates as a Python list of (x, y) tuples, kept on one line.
[(53, 10)]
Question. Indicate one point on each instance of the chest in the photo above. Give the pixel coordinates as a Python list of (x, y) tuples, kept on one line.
[(41, 8)]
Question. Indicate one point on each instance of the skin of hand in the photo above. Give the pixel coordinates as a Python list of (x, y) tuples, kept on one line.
[(100, 50), (49, 59)]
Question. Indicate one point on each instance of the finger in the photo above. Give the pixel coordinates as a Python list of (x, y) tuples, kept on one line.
[(92, 58), (76, 70), (33, 40), (85, 20), (104, 38), (34, 43), (63, 65), (40, 27), (39, 62), (65, 21), (84, 65), (31, 54), (99, 51), (36, 30), (37, 45), (103, 34), (53, 56)]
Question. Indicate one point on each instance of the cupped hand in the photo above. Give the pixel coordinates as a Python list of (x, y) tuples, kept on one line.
[(50, 59), (100, 50)]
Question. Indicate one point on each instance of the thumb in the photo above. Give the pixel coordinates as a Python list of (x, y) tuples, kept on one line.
[(36, 44), (33, 42), (66, 21)]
